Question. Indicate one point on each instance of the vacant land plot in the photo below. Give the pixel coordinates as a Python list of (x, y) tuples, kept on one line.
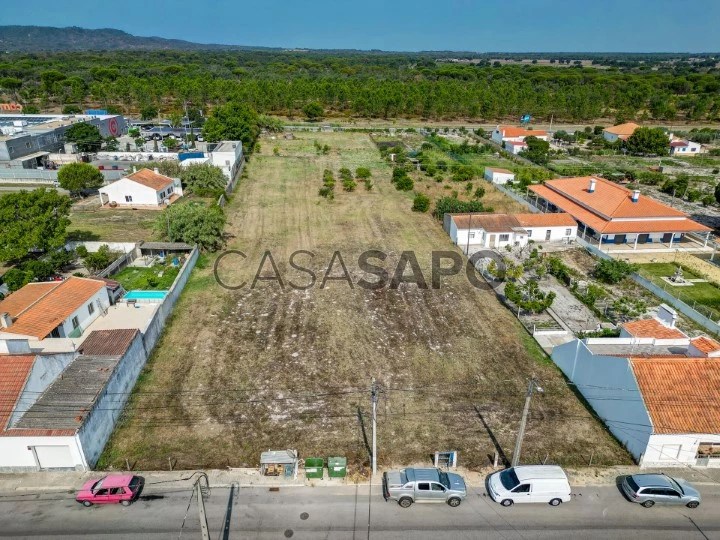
[(238, 372), (90, 222)]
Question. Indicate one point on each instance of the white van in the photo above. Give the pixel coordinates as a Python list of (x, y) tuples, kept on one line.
[(529, 484)]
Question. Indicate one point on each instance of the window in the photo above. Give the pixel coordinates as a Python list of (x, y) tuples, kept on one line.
[(101, 492), (504, 237), (423, 486), (708, 450), (437, 487), (568, 232), (128, 198), (693, 149), (116, 491), (75, 322), (670, 492), (170, 189), (522, 488), (509, 479), (472, 235), (91, 308), (529, 232), (670, 452)]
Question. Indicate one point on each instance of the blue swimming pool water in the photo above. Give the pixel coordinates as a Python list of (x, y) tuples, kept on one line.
[(145, 295)]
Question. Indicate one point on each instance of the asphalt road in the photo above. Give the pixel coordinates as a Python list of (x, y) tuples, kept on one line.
[(348, 512)]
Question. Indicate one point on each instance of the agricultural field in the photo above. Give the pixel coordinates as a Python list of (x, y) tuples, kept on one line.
[(274, 366)]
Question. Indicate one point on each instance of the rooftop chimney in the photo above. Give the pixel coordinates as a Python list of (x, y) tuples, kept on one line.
[(667, 315), (636, 195), (5, 320), (591, 188), (157, 171)]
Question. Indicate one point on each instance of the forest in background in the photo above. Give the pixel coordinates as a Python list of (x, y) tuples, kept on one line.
[(661, 87)]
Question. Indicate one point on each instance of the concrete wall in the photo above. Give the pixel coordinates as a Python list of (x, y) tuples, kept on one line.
[(94, 247), (498, 178), (557, 234), (677, 450), (609, 386), (100, 421)]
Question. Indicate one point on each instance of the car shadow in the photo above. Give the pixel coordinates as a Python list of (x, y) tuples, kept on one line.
[(618, 484)]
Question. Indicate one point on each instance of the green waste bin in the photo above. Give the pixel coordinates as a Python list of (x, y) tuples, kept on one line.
[(314, 467), (337, 467)]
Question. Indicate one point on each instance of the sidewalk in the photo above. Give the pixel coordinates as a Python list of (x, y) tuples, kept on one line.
[(64, 482)]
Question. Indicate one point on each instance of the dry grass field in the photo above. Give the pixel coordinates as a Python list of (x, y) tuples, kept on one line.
[(239, 372)]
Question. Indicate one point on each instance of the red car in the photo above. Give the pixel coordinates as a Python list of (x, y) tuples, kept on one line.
[(114, 488)]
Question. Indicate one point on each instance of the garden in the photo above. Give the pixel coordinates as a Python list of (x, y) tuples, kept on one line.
[(159, 277)]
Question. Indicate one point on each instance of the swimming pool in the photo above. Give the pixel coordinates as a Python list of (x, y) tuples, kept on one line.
[(145, 295)]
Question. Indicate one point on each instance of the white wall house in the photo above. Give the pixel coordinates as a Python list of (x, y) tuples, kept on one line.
[(643, 392), (141, 188), (621, 131), (228, 156), (498, 176), (515, 147), (511, 133), (680, 147)]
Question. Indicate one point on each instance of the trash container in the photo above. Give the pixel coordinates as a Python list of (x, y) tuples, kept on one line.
[(337, 467), (314, 467)]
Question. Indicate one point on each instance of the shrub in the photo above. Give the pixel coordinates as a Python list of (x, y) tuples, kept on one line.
[(479, 193), (81, 251), (707, 200), (363, 172), (345, 173), (349, 184), (326, 192), (404, 183), (451, 205), (421, 203), (613, 271), (368, 185)]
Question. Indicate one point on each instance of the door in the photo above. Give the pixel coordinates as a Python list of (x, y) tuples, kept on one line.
[(521, 494), (101, 496), (492, 240), (669, 496), (54, 457), (667, 237), (422, 491), (437, 492), (548, 234), (643, 238)]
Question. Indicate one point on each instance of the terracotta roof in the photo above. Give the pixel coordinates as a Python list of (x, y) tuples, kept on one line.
[(611, 201), (14, 371), (623, 129), (151, 179), (22, 299), (512, 131), (680, 394), (43, 316), (108, 342), (559, 219), (516, 143), (502, 171), (652, 328), (705, 345), (487, 222), (678, 143)]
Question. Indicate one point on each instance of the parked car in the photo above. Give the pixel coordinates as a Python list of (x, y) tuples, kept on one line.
[(411, 485), (114, 488), (529, 484), (649, 489)]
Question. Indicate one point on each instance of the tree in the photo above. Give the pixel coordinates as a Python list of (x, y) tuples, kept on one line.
[(32, 220), (421, 203), (479, 193), (193, 224), (404, 183), (203, 179), (528, 296), (71, 109), (233, 122), (537, 150), (450, 205), (100, 259), (86, 136), (77, 177), (111, 144), (646, 140), (313, 111), (148, 112), (613, 271)]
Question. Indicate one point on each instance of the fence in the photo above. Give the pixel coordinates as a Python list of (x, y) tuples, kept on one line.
[(234, 181), (518, 198), (37, 176), (118, 264)]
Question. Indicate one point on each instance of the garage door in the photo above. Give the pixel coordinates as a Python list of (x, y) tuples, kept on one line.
[(55, 457)]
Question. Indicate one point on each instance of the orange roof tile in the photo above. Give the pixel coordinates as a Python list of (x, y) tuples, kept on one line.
[(652, 328), (512, 131), (502, 171), (487, 222), (652, 226), (21, 299), (43, 316), (623, 129), (560, 219), (705, 344), (14, 371), (680, 394), (151, 179)]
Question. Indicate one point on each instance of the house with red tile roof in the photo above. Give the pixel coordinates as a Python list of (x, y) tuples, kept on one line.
[(57, 309), (504, 134), (57, 411), (608, 213), (684, 147), (619, 132), (658, 394), (145, 188), (495, 231)]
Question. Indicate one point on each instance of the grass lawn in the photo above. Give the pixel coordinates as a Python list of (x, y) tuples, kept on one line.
[(706, 294), (90, 222), (134, 278), (241, 371)]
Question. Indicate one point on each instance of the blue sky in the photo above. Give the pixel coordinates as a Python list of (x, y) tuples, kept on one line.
[(479, 25)]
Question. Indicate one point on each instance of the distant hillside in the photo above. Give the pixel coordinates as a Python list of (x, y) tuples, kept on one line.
[(47, 38)]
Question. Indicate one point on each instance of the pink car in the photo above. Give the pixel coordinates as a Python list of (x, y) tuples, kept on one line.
[(114, 488)]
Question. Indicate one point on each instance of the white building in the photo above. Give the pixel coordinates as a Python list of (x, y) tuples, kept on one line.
[(503, 134), (657, 394), (141, 188), (515, 147), (498, 176), (227, 155), (495, 231), (621, 131), (682, 147), (55, 309)]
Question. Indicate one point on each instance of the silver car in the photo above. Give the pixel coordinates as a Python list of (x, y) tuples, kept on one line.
[(410, 485), (649, 489)]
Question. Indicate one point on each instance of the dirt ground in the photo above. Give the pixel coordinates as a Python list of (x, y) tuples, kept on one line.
[(90, 222), (241, 371)]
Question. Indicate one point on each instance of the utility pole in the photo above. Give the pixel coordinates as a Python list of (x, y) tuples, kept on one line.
[(467, 249), (518, 443), (374, 392), (204, 530)]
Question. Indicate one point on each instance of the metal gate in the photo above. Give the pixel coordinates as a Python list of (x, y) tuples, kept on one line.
[(54, 457)]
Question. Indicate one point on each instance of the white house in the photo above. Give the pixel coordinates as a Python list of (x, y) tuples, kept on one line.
[(227, 155), (498, 176), (495, 231), (46, 423), (682, 147), (658, 395), (56, 309), (503, 134), (515, 147), (621, 131), (141, 188)]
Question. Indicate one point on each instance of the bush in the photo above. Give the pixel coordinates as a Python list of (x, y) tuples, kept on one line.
[(421, 203), (326, 192), (707, 200), (479, 193), (363, 172), (368, 185), (349, 184), (16, 279), (81, 251), (613, 271), (451, 205), (345, 173), (694, 195), (404, 183)]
